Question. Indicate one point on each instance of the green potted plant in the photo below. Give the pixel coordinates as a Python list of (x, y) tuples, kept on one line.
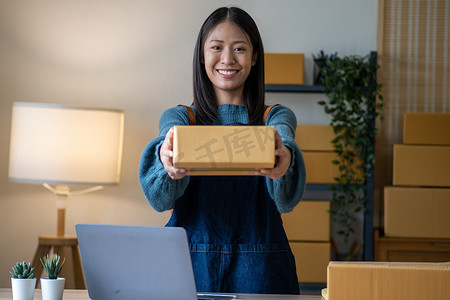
[(355, 102), (320, 61), (23, 281), (53, 286)]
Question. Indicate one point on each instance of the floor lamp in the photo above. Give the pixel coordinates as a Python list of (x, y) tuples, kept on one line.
[(59, 146)]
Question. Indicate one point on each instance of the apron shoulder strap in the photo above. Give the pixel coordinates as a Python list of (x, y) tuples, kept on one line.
[(191, 114), (266, 112)]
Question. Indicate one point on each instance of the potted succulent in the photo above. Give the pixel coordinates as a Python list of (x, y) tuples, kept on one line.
[(320, 61), (23, 281), (53, 286)]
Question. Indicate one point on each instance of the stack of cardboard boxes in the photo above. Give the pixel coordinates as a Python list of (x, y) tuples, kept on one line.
[(418, 203), (308, 225), (417, 226)]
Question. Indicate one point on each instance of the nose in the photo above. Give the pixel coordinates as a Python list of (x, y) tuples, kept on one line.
[(227, 57)]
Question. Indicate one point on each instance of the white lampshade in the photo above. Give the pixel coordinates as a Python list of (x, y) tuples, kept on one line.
[(59, 144)]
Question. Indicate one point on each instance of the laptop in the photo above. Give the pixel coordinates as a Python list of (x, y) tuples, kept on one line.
[(137, 263)]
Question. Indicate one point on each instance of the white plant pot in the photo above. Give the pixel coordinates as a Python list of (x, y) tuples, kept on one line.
[(52, 289), (23, 289)]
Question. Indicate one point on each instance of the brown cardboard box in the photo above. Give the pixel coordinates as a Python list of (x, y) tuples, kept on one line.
[(223, 150), (284, 68), (314, 137), (426, 128), (421, 165), (388, 281), (417, 212), (309, 221), (320, 169), (311, 260)]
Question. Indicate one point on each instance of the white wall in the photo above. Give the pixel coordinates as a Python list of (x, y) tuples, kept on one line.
[(136, 55)]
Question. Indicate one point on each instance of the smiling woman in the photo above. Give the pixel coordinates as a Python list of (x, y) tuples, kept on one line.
[(228, 59), (233, 223), (229, 26)]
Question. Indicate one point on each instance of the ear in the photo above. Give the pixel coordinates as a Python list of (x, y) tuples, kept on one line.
[(254, 59)]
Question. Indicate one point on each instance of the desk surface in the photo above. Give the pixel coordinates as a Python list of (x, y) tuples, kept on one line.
[(5, 294)]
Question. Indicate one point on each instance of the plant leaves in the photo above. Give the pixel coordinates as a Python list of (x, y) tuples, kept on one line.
[(354, 103)]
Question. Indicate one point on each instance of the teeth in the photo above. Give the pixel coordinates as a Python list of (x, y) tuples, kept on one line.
[(227, 72)]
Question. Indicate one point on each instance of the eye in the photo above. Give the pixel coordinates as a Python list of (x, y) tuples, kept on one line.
[(239, 49), (215, 47)]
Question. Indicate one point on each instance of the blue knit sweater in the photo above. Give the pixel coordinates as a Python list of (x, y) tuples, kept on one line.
[(162, 192)]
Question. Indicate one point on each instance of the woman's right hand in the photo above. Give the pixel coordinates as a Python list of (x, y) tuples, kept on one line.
[(166, 157)]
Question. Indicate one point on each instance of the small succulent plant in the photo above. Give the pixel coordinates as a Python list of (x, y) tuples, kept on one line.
[(52, 265), (322, 56), (22, 270)]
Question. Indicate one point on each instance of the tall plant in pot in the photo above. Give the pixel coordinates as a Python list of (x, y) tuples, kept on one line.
[(53, 286), (23, 281), (355, 102)]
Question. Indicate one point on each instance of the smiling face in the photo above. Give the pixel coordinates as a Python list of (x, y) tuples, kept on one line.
[(228, 59)]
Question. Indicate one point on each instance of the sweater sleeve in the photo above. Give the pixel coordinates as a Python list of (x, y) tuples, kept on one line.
[(287, 190), (160, 190)]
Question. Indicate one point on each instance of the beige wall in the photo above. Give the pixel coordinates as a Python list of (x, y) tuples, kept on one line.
[(135, 55)]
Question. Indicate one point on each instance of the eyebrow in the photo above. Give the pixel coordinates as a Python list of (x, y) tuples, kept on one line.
[(220, 41)]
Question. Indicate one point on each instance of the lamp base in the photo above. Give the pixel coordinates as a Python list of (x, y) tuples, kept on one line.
[(61, 245)]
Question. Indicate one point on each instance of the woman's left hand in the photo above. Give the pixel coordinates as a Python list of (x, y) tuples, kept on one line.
[(282, 160)]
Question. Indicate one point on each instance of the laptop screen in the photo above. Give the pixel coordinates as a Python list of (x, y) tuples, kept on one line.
[(136, 262)]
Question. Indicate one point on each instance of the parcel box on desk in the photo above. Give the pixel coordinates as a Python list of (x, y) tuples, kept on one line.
[(426, 128), (311, 137), (388, 281), (223, 150), (421, 165), (284, 68), (311, 260), (309, 221), (417, 212)]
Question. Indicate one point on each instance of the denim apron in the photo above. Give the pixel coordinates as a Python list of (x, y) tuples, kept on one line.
[(236, 237)]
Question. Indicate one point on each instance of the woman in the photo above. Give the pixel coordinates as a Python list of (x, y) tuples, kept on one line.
[(233, 223)]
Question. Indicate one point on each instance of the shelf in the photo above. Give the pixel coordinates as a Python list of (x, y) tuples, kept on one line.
[(401, 249), (326, 186), (294, 88), (368, 186)]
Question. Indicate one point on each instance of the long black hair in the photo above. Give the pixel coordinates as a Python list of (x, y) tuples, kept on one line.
[(205, 101)]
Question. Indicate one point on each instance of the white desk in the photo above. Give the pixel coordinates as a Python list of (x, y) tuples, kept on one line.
[(5, 294)]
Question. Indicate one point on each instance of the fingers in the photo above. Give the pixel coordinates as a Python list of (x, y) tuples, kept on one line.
[(166, 157), (271, 173), (165, 152), (282, 160), (278, 140), (176, 173)]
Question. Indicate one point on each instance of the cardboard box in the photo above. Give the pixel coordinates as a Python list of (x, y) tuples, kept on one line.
[(311, 260), (421, 165), (309, 221), (223, 150), (417, 212), (320, 169), (388, 281), (284, 68), (426, 128), (314, 137)]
